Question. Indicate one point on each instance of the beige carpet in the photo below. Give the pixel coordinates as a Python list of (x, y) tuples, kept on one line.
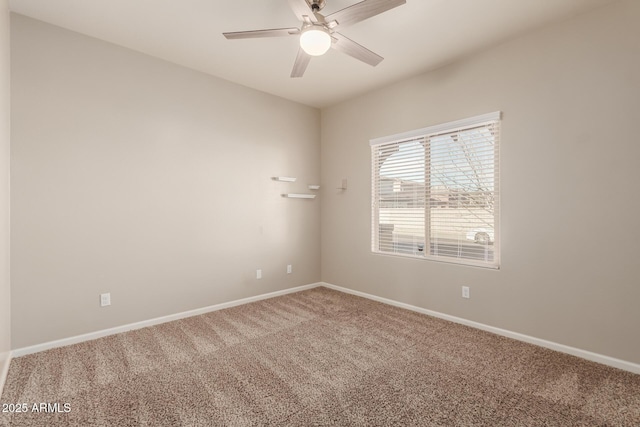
[(318, 357)]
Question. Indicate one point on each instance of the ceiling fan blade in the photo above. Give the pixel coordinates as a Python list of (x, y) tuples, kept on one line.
[(301, 9), (353, 49), (299, 67), (276, 32), (363, 10)]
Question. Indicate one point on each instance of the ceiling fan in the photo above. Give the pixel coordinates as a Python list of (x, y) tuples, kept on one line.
[(318, 33)]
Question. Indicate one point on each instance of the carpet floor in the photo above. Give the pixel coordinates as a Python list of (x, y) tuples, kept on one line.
[(317, 357)]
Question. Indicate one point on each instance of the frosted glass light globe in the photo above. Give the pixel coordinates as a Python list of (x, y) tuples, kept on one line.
[(315, 40)]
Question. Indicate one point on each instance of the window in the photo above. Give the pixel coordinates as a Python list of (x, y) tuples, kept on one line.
[(435, 192)]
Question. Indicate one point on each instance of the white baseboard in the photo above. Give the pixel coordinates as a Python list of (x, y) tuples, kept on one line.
[(151, 322), (584, 354), (5, 361)]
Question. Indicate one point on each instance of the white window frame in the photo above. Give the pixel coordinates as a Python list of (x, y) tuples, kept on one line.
[(425, 133)]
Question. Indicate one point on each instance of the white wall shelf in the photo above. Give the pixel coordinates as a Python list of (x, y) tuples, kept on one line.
[(299, 196), (314, 187), (284, 178)]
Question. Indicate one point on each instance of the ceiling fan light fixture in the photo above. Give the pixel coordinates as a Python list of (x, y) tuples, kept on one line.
[(315, 40)]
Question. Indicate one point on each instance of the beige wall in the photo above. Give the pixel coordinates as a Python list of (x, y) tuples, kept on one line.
[(570, 95), (5, 294), (138, 177)]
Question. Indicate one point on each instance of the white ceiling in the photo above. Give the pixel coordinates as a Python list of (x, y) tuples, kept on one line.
[(416, 37)]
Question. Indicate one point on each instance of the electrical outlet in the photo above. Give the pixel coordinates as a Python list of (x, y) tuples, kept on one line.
[(289, 269), (258, 274), (105, 299), (465, 292)]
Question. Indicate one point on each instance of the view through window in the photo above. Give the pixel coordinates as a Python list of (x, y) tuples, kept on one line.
[(435, 192)]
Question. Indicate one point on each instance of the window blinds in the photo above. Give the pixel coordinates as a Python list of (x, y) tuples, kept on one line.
[(435, 192)]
